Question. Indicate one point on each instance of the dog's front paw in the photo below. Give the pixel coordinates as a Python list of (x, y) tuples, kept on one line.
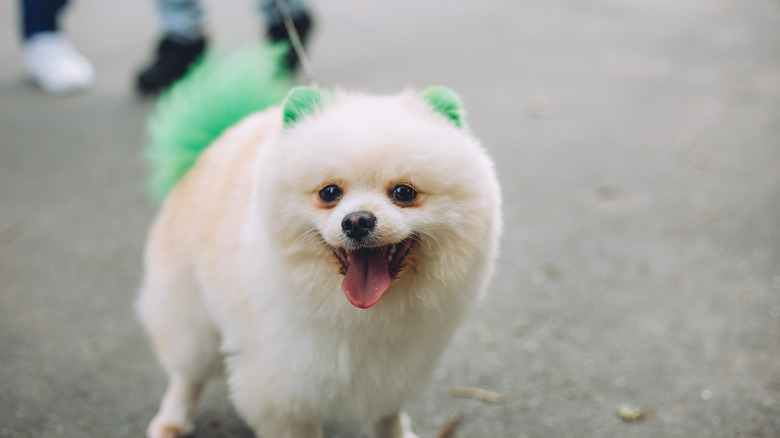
[(160, 428), (394, 426), (406, 426)]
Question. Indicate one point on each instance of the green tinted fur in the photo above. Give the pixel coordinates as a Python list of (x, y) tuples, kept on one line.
[(214, 95), (302, 102), (444, 101), (222, 90)]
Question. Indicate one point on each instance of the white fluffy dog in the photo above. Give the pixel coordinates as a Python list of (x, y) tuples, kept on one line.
[(322, 254)]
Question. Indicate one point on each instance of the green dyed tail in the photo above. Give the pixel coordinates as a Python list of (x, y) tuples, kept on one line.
[(215, 94)]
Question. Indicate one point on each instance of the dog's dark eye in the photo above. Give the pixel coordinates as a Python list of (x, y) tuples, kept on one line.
[(403, 193), (330, 193)]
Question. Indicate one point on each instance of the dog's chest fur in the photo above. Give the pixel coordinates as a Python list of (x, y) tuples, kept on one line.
[(331, 359)]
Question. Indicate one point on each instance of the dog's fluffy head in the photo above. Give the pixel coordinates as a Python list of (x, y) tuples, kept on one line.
[(380, 195)]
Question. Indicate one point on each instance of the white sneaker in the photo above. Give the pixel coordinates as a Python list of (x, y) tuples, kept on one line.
[(55, 65)]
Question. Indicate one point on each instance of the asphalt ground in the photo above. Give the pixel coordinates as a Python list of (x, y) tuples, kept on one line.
[(638, 147)]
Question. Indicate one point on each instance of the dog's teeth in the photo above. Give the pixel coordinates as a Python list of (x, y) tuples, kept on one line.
[(389, 258), (392, 249)]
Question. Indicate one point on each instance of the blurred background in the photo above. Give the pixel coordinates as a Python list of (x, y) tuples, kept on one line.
[(638, 145)]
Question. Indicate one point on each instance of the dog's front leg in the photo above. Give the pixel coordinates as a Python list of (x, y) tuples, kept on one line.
[(395, 426), (175, 418)]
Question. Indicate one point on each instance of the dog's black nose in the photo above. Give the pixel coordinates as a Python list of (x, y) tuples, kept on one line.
[(358, 224)]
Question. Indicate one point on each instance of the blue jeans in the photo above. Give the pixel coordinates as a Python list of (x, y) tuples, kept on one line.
[(184, 19), (40, 16)]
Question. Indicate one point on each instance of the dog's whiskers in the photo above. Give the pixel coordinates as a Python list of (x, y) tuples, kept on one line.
[(311, 238)]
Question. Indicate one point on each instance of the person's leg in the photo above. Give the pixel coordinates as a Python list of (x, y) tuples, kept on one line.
[(40, 16), (181, 20), (182, 43), (49, 58), (273, 15), (277, 32)]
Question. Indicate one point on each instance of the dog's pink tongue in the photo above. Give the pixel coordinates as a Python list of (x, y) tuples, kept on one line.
[(367, 278)]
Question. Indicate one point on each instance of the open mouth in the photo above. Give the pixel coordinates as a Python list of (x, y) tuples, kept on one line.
[(368, 272)]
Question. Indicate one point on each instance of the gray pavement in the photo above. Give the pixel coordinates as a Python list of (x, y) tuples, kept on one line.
[(638, 144)]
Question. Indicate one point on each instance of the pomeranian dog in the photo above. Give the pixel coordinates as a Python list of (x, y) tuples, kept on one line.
[(321, 253)]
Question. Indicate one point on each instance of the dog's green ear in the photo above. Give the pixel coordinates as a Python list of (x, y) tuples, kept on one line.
[(303, 102), (445, 102)]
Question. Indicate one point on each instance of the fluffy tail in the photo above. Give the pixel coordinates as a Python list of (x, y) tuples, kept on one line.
[(215, 94)]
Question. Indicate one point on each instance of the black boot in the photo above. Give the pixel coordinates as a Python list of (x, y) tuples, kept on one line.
[(278, 33), (172, 61)]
